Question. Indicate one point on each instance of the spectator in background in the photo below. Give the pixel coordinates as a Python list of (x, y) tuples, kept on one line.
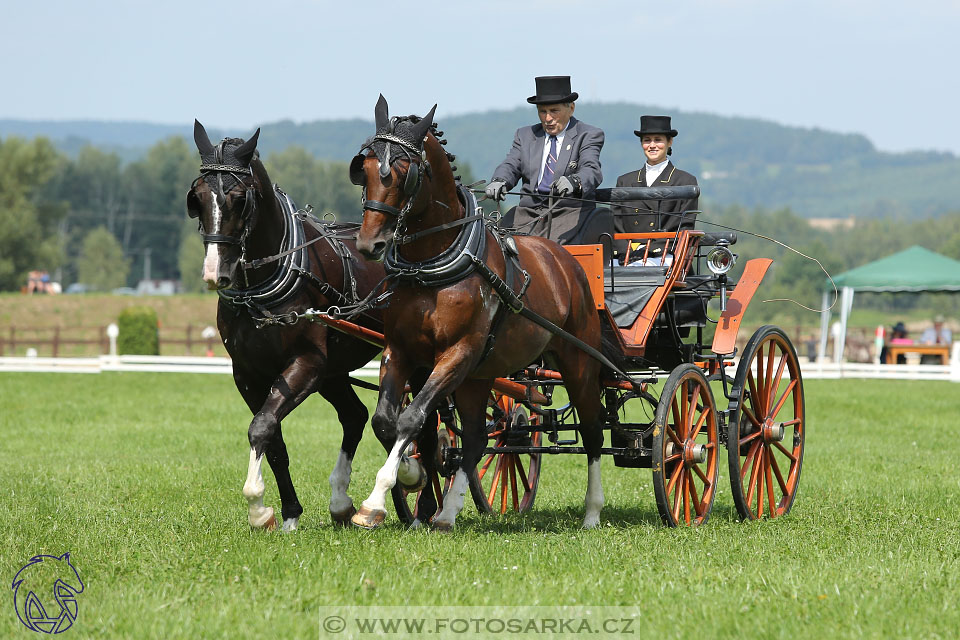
[(898, 335), (937, 334)]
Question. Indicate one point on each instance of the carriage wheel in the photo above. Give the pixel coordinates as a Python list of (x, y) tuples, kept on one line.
[(507, 481), (685, 448), (405, 502), (765, 438)]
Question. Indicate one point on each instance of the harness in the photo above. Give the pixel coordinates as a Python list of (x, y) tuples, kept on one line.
[(293, 261)]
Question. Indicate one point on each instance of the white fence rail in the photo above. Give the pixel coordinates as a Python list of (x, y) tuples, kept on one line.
[(196, 364), (157, 364)]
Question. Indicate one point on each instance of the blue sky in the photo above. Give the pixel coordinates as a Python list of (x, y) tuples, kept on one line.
[(887, 70)]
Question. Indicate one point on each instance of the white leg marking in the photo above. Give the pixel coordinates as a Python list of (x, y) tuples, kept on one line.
[(290, 525), (253, 490), (386, 478), (594, 500), (453, 501), (340, 502)]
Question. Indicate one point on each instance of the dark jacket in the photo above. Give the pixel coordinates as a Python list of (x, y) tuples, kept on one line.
[(579, 157), (645, 216)]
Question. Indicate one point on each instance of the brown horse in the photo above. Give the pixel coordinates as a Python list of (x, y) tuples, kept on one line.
[(444, 312), (247, 227)]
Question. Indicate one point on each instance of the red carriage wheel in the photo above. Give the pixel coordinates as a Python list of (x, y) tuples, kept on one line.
[(766, 434), (507, 481), (685, 448), (405, 502)]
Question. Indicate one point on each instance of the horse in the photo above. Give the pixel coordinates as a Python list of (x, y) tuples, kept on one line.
[(266, 260), (448, 313)]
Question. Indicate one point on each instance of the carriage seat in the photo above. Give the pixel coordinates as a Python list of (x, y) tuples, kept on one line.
[(629, 289)]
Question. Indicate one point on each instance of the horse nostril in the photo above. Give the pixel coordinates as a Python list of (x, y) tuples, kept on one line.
[(378, 248), (223, 282)]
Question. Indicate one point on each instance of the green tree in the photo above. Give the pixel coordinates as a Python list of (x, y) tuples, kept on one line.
[(153, 211), (28, 219), (101, 263)]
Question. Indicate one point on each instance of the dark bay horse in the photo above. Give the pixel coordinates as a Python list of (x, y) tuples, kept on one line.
[(248, 225), (444, 311)]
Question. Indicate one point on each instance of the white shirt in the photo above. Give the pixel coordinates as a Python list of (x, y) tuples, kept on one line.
[(654, 171), (546, 152)]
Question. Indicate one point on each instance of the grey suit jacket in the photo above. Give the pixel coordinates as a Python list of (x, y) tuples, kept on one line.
[(579, 156)]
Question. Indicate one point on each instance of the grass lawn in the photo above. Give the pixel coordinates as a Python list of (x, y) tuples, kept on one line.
[(139, 477)]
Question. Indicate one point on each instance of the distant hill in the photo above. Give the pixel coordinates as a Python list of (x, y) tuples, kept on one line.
[(744, 161)]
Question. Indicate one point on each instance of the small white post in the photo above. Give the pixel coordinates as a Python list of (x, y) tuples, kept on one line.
[(112, 332)]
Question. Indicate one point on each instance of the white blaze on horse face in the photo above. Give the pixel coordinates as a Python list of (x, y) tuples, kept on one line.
[(340, 502), (453, 501), (594, 500), (253, 490), (386, 478), (212, 261)]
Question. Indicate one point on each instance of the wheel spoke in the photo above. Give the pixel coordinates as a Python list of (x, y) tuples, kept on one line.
[(785, 452), (497, 470), (676, 499), (757, 450), (686, 501), (783, 398), (767, 386), (752, 436), (675, 411), (503, 483), (758, 398), (691, 410), (751, 455), (673, 476), (776, 470), (752, 418), (486, 465), (697, 507), (700, 421), (673, 436), (513, 481), (770, 489), (703, 476), (523, 476)]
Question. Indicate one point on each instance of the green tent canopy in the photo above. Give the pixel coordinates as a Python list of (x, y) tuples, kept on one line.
[(914, 269)]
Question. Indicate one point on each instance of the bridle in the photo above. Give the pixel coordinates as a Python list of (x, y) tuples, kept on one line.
[(412, 183), (247, 216)]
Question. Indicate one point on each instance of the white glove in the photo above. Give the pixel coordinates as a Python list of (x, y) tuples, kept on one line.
[(562, 186), (495, 190)]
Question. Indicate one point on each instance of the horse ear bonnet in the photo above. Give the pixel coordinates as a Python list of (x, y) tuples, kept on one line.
[(410, 184), (357, 176)]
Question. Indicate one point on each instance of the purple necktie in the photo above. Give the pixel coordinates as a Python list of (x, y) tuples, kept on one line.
[(548, 168)]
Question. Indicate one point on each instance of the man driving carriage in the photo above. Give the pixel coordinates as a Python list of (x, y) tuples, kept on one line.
[(558, 160), (656, 136)]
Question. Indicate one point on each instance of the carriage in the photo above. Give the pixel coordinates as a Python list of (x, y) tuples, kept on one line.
[(657, 316), (653, 388)]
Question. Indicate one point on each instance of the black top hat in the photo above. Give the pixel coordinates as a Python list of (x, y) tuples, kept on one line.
[(655, 124), (553, 90), (899, 328)]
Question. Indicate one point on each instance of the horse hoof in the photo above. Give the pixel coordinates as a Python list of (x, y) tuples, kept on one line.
[(366, 518), (441, 527), (266, 521), (415, 485), (342, 519)]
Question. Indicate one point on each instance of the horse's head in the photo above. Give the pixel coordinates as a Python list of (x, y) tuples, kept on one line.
[(224, 201), (392, 168)]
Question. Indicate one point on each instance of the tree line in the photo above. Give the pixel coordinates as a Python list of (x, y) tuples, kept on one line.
[(93, 219)]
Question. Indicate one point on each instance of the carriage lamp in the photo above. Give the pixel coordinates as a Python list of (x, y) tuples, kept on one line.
[(720, 260)]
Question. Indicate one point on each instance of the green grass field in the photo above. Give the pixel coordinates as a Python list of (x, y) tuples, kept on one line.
[(139, 477)]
